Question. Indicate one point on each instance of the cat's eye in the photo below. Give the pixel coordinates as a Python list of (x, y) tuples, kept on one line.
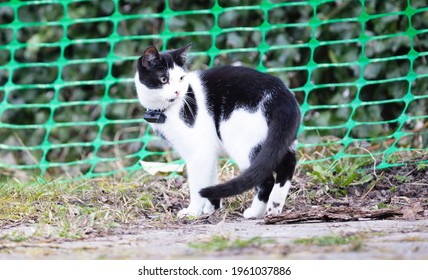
[(181, 78), (163, 79)]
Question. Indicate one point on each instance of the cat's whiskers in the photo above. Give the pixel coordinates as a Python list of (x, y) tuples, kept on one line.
[(185, 100), (191, 99)]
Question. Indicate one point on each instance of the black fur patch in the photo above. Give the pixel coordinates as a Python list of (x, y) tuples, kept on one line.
[(215, 202), (150, 77), (151, 66), (189, 110), (286, 168), (229, 88), (264, 190)]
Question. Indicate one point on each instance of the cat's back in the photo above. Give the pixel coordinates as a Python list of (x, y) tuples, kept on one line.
[(228, 77), (231, 87)]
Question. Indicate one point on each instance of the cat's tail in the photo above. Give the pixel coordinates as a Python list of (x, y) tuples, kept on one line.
[(282, 132)]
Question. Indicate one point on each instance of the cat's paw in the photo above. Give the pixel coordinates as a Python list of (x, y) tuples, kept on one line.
[(274, 208), (188, 213), (256, 210), (208, 208), (253, 213)]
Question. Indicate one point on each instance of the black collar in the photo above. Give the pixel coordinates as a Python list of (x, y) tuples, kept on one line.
[(155, 116)]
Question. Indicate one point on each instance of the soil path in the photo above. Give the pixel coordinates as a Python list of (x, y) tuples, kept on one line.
[(381, 239)]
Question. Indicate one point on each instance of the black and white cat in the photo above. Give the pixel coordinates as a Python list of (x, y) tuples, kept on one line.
[(236, 111)]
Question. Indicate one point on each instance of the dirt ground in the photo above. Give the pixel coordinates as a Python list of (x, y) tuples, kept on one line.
[(402, 234), (385, 239)]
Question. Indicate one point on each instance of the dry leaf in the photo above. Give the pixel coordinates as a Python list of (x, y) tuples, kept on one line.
[(161, 167)]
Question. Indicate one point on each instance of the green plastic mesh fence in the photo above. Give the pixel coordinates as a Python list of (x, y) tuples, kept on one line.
[(68, 105)]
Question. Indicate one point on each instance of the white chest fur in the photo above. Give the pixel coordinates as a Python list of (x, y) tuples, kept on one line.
[(201, 135)]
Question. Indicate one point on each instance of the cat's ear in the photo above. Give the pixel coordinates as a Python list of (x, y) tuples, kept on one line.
[(180, 55), (150, 56)]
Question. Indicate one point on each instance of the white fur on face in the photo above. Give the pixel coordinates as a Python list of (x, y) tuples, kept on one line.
[(162, 98)]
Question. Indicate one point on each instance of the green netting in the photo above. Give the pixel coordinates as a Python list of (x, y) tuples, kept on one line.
[(67, 101)]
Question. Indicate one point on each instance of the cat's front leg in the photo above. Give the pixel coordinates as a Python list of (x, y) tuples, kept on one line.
[(202, 172)]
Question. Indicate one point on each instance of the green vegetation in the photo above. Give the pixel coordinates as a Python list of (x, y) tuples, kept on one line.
[(393, 189), (16, 236), (402, 178), (355, 241), (382, 205), (222, 243), (422, 166), (339, 175), (82, 209)]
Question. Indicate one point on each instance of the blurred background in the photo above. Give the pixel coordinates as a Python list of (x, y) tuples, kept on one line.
[(68, 105)]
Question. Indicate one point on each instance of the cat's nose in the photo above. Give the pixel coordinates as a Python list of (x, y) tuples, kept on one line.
[(177, 93)]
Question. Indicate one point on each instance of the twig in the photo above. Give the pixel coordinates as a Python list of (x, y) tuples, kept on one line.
[(339, 214), (373, 185)]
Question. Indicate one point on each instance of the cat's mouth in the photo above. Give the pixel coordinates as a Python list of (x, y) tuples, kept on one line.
[(171, 100)]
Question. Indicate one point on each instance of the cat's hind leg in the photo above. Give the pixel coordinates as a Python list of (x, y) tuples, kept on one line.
[(284, 174), (260, 200), (212, 205)]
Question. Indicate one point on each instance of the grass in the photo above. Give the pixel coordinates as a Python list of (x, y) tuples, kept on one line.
[(16, 236), (355, 241), (98, 207), (422, 166), (338, 175), (222, 243), (80, 209), (382, 205), (402, 179)]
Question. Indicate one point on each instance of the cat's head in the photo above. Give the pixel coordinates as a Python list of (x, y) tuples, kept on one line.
[(161, 77)]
